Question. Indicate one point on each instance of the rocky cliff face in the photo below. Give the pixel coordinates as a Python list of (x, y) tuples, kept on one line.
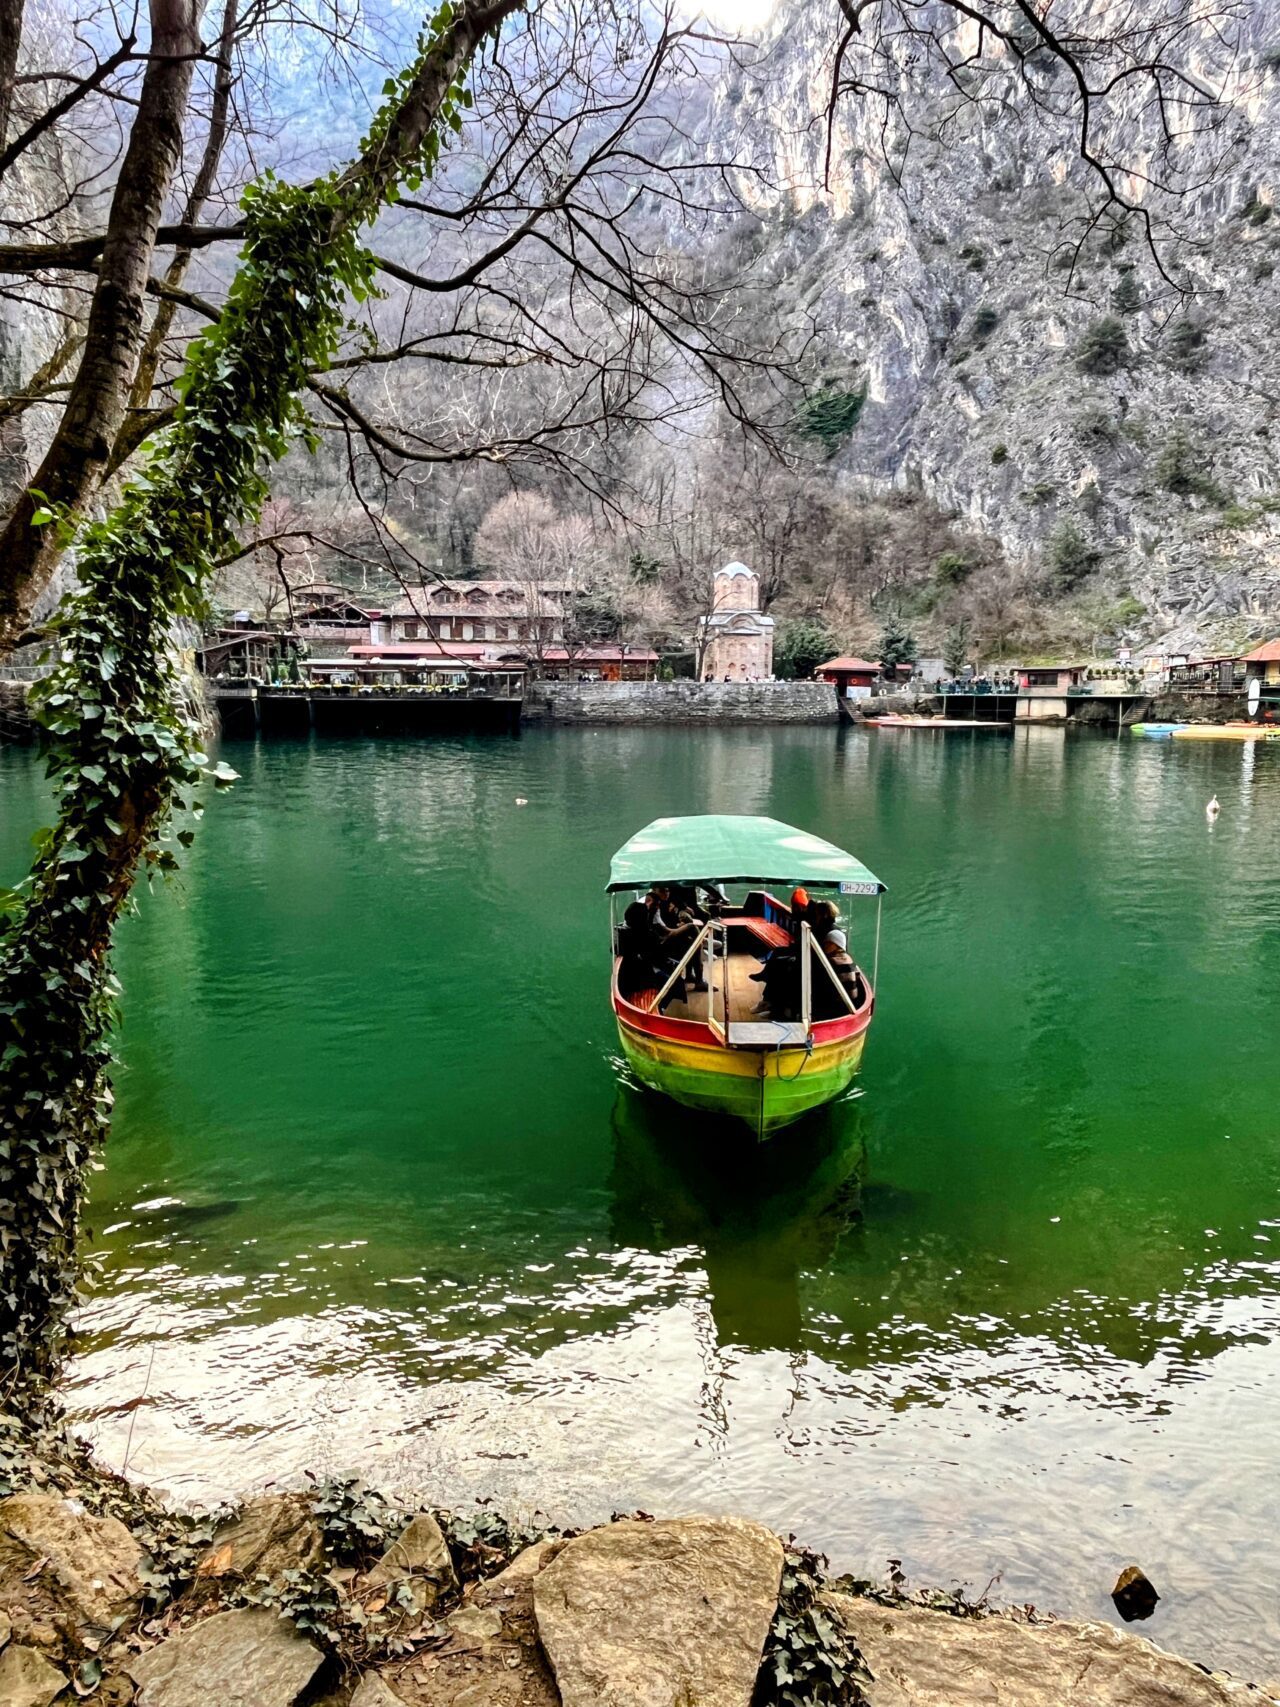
[(1035, 375)]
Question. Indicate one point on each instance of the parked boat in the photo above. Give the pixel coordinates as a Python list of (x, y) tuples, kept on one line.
[(718, 1046), (1228, 732), (896, 721)]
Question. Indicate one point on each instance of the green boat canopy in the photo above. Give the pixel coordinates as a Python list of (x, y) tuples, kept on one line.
[(726, 848)]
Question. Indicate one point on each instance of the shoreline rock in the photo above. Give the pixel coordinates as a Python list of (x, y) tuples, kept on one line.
[(333, 1598)]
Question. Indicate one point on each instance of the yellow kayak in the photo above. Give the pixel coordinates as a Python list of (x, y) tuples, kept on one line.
[(1227, 732)]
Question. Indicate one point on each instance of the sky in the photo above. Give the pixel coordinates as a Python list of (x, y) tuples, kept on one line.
[(744, 15)]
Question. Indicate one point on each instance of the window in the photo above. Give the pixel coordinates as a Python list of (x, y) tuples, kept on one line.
[(513, 631), (446, 630), (411, 631), (467, 632), (490, 631)]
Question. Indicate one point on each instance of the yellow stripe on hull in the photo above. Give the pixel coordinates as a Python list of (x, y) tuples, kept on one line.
[(765, 1088)]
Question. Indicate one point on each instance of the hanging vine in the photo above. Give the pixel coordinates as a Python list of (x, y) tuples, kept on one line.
[(123, 749)]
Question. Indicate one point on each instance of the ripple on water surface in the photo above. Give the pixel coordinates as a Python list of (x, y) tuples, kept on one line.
[(376, 1195)]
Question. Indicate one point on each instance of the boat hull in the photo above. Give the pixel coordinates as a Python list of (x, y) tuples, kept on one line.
[(1228, 732), (766, 1089)]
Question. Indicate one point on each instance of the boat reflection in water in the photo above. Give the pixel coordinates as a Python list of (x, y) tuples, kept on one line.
[(763, 1218)]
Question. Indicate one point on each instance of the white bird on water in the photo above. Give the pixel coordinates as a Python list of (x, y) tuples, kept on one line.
[(1212, 810)]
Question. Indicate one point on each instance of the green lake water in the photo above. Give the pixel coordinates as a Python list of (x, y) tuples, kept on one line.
[(377, 1196)]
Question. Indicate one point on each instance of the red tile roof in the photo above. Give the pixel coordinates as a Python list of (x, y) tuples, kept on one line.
[(1267, 653), (473, 649), (850, 666)]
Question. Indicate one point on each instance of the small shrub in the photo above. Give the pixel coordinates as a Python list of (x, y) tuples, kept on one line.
[(999, 455), (984, 323), (974, 257), (1134, 428), (1258, 213), (1098, 426), (953, 568), (1182, 469), (1040, 493), (1188, 344), (1104, 349), (1126, 298), (1237, 516), (831, 414)]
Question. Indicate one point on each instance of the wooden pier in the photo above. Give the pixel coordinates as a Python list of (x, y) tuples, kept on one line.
[(298, 710)]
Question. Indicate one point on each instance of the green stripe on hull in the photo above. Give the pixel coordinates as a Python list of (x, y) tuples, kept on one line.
[(787, 1093)]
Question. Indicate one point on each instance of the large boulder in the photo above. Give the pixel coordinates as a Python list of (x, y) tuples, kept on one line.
[(60, 1566), (27, 1679), (268, 1537), (250, 1658), (659, 1614), (920, 1658)]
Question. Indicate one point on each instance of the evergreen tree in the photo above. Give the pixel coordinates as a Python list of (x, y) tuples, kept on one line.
[(897, 646), (804, 643), (955, 646)]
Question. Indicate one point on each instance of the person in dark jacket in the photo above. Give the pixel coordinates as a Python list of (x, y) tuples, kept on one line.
[(639, 968)]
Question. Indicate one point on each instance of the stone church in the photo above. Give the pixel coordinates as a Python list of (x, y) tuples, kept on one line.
[(738, 636)]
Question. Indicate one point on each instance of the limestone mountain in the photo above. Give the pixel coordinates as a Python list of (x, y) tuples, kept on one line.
[(979, 340)]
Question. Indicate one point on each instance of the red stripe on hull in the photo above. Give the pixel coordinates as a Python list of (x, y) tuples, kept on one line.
[(694, 1031)]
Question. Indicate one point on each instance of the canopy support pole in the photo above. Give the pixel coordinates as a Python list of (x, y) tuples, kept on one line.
[(875, 975), (806, 977)]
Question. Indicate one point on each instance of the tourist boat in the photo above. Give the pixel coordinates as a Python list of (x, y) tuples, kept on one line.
[(717, 1047)]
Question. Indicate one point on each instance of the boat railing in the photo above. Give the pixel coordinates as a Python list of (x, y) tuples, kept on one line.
[(825, 962), (656, 1005)]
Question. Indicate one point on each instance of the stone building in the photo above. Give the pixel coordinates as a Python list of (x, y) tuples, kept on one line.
[(737, 636)]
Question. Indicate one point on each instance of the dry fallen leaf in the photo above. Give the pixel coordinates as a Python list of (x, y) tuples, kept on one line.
[(213, 1564)]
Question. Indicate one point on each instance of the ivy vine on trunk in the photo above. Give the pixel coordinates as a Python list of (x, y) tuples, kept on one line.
[(123, 750)]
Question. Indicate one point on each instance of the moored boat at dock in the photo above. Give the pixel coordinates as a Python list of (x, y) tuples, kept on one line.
[(750, 1011), (1236, 731)]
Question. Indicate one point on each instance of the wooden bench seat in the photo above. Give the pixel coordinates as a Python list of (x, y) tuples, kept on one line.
[(777, 936)]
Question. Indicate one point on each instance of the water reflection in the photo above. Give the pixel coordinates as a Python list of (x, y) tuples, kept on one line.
[(762, 1218)]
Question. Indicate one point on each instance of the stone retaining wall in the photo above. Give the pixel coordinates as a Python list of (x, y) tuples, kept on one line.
[(688, 702)]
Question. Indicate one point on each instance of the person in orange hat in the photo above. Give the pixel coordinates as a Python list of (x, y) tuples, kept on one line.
[(799, 910)]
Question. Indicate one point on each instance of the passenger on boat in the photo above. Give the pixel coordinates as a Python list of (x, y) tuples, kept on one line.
[(824, 918), (780, 976), (639, 968), (799, 909), (826, 998), (671, 931)]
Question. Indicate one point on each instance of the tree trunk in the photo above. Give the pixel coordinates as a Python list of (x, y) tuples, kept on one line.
[(10, 41), (116, 750), (176, 271), (78, 458)]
